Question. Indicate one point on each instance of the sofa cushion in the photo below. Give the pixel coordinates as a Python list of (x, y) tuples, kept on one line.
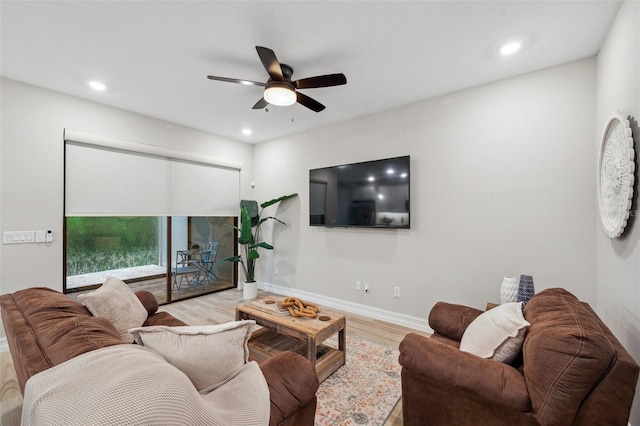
[(209, 354), (41, 303), (61, 325), (496, 334), (74, 336), (566, 354), (115, 301)]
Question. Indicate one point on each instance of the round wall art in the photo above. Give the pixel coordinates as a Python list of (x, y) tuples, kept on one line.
[(615, 174)]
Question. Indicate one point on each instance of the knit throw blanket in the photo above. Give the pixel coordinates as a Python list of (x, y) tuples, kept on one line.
[(133, 385)]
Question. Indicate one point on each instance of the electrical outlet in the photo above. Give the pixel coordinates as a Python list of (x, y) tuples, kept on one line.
[(358, 285), (396, 292)]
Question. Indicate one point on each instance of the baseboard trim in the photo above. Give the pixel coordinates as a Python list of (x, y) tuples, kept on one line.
[(354, 308), (4, 346)]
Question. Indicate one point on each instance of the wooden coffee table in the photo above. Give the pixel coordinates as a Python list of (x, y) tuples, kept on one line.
[(298, 334)]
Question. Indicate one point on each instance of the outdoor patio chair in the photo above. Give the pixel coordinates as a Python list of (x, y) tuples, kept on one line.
[(208, 261)]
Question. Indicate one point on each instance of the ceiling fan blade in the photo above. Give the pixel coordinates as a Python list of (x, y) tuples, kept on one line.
[(270, 62), (261, 104), (320, 81), (236, 80), (310, 103)]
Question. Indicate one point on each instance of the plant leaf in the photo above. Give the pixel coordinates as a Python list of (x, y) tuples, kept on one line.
[(252, 209), (263, 245), (277, 200), (233, 226), (264, 219), (232, 259), (253, 254), (245, 229)]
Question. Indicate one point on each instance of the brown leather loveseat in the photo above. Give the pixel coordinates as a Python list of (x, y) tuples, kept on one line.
[(45, 328), (572, 371)]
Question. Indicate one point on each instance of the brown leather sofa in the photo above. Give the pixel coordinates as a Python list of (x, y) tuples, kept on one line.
[(572, 371), (45, 328)]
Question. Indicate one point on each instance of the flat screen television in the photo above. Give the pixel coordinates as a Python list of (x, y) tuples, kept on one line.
[(371, 194)]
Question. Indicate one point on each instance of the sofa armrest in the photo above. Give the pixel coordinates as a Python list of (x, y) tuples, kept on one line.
[(488, 379), (293, 383), (23, 344), (452, 320), (148, 300)]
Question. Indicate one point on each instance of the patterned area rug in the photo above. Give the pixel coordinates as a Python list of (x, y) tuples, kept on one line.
[(365, 390)]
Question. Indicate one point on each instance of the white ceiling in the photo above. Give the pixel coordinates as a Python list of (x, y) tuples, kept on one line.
[(155, 56)]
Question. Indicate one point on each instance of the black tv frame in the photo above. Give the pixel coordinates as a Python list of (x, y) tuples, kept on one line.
[(361, 213)]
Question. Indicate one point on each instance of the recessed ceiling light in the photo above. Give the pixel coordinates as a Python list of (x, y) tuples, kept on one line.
[(371, 178), (96, 85), (390, 171), (246, 131), (403, 175), (510, 48)]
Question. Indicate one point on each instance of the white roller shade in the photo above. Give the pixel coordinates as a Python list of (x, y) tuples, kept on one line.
[(200, 189), (110, 177)]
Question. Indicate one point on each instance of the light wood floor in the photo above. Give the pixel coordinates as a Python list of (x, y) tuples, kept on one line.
[(209, 309)]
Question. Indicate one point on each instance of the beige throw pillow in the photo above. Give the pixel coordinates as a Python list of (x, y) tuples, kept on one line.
[(115, 301), (496, 334), (209, 355)]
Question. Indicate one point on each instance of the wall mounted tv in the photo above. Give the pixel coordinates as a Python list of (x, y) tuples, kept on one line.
[(371, 194)]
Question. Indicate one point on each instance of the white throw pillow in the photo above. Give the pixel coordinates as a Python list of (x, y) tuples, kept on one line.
[(496, 334), (209, 355), (115, 301)]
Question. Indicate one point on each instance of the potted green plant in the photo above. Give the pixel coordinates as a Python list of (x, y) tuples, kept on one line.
[(249, 239)]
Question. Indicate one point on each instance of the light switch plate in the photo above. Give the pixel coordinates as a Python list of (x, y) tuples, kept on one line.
[(19, 237), (7, 238), (40, 236)]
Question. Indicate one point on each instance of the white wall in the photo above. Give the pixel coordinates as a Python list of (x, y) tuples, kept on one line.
[(31, 191), (618, 261), (502, 183)]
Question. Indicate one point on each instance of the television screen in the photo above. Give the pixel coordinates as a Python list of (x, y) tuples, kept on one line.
[(373, 194)]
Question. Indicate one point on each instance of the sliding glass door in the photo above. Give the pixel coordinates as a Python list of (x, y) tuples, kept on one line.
[(199, 246), (172, 257)]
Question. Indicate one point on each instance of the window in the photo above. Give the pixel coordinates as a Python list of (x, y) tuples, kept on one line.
[(97, 244), (136, 249)]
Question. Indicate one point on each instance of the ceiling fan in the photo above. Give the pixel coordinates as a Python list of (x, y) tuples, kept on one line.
[(280, 89)]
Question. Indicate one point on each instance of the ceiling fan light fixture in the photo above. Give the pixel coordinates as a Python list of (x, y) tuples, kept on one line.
[(280, 89), (280, 94)]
